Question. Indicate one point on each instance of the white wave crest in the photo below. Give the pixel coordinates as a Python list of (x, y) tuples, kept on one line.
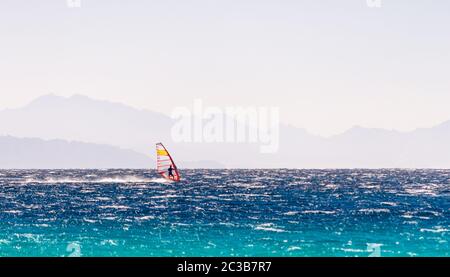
[(106, 180)]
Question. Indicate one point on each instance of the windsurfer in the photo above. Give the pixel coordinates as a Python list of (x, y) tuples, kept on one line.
[(170, 169)]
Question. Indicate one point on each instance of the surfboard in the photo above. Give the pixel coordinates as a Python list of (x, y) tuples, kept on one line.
[(164, 161)]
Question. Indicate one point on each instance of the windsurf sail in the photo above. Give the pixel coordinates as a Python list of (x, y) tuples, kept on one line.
[(165, 165)]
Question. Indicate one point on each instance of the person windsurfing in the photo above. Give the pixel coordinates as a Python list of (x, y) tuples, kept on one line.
[(165, 165), (170, 169)]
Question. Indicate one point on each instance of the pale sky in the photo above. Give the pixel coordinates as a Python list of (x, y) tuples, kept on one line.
[(328, 65)]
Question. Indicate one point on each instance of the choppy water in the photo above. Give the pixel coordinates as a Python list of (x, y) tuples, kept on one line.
[(225, 213)]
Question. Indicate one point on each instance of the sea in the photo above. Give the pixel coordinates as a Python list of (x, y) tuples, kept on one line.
[(226, 213)]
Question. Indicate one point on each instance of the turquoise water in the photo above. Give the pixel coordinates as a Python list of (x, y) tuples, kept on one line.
[(225, 213)]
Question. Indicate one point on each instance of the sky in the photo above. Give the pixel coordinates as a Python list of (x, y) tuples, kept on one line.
[(328, 65)]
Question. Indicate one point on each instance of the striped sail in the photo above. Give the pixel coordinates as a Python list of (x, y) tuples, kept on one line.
[(164, 162)]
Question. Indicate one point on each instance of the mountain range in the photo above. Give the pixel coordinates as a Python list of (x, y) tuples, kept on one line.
[(32, 153), (117, 135)]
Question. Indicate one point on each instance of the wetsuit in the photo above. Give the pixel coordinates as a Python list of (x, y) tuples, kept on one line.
[(171, 172)]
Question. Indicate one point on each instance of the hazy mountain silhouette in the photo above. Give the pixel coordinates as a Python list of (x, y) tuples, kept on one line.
[(33, 153), (22, 153), (83, 119)]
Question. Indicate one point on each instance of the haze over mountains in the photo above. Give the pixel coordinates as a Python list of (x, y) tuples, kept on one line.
[(30, 153), (121, 136)]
